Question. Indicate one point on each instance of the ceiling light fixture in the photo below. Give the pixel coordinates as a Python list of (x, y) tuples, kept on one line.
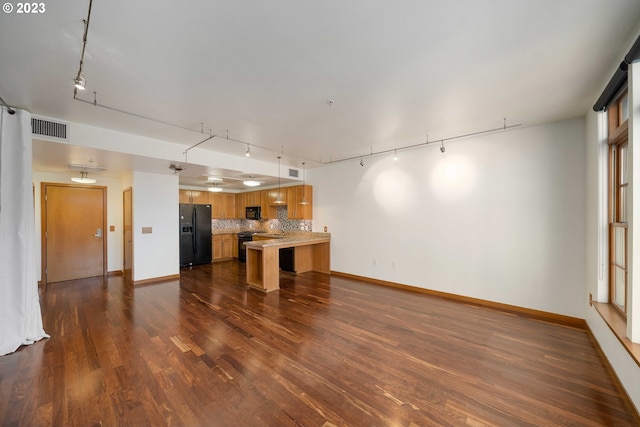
[(83, 179), (361, 162), (248, 153), (304, 198), (395, 154), (279, 200), (80, 82), (442, 149), (251, 183), (214, 179), (214, 188)]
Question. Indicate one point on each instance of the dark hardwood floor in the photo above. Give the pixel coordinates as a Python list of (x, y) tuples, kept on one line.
[(323, 351)]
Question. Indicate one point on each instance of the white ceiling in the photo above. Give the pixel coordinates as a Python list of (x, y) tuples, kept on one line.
[(264, 71)]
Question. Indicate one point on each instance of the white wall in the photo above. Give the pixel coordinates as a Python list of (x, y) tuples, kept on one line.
[(155, 205), (114, 217), (499, 217)]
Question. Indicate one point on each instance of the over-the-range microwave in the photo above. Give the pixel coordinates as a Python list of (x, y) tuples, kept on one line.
[(252, 212)]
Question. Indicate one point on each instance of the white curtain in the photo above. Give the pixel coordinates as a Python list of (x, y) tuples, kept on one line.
[(20, 316)]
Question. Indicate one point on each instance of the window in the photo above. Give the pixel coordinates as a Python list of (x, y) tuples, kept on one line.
[(619, 208)]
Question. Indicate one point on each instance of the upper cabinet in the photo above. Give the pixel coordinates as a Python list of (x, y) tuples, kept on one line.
[(223, 205), (241, 204), (232, 206), (252, 198), (193, 197), (296, 195), (277, 195)]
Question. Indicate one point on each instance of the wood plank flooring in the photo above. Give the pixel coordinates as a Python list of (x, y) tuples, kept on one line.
[(322, 351)]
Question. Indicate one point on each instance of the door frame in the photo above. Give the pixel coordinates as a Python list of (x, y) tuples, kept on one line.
[(43, 224), (124, 233)]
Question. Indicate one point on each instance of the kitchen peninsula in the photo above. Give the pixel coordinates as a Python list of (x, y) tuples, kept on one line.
[(311, 253)]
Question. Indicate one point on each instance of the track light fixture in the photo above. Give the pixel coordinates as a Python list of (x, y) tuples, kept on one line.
[(361, 162), (248, 153), (395, 154), (80, 82), (442, 149)]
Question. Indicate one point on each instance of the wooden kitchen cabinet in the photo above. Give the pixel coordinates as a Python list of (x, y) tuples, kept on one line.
[(193, 197), (252, 198), (268, 211), (229, 205), (241, 204), (223, 205), (234, 245), (277, 194), (294, 196), (222, 247)]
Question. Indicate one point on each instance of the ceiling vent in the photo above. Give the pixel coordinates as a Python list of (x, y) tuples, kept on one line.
[(49, 129), (294, 173)]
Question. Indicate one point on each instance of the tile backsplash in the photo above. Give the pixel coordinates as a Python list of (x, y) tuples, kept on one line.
[(282, 223)]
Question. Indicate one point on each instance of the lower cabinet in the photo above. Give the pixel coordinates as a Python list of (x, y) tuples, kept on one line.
[(222, 247)]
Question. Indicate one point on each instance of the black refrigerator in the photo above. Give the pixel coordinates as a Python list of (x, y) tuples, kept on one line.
[(195, 234)]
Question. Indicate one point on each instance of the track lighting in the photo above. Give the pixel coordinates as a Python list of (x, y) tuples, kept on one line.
[(80, 82), (395, 154), (248, 153), (361, 162), (442, 149)]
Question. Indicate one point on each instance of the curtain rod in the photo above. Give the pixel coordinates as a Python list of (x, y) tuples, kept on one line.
[(9, 109), (619, 78)]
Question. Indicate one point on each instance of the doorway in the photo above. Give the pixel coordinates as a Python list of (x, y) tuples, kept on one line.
[(127, 227), (73, 227)]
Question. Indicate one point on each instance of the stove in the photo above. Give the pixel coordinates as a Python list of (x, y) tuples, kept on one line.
[(245, 236)]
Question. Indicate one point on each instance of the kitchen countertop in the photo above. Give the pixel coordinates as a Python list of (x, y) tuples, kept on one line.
[(216, 231), (287, 239)]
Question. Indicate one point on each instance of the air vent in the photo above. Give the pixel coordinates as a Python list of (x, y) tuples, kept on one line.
[(49, 129), (293, 173)]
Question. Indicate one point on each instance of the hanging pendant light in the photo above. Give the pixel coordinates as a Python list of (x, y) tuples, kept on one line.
[(278, 200), (304, 197), (83, 179)]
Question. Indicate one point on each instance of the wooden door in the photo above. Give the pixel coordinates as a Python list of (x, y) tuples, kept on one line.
[(73, 227), (127, 230)]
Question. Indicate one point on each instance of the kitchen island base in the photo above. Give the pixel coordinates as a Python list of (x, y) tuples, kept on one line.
[(263, 260)]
